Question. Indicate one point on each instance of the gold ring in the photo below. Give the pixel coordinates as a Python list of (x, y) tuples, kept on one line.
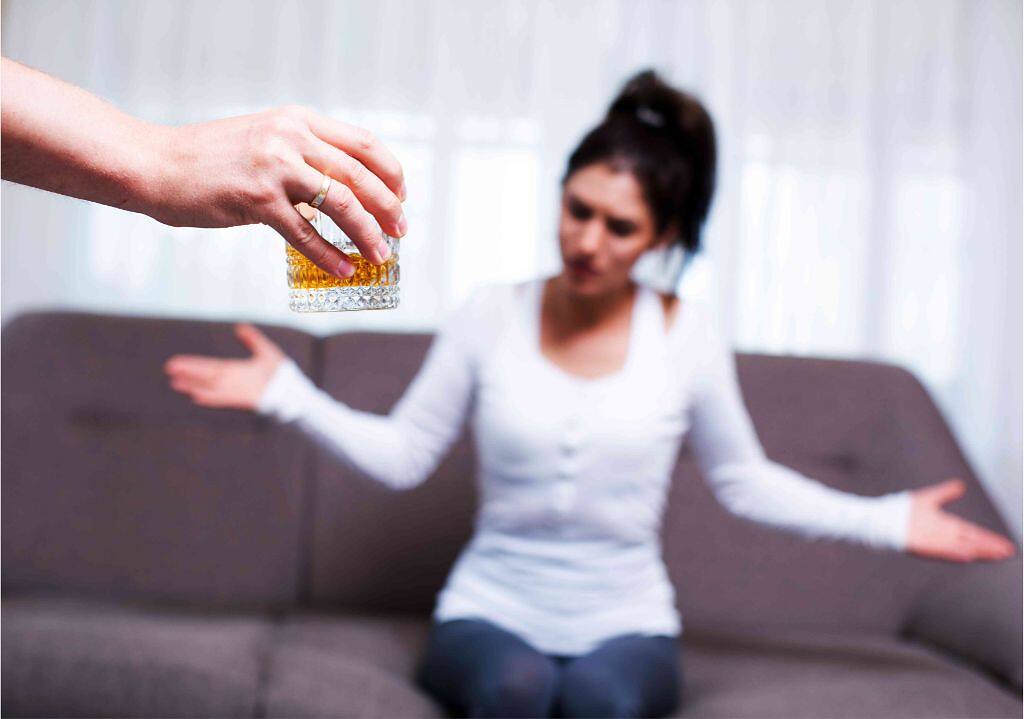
[(325, 185)]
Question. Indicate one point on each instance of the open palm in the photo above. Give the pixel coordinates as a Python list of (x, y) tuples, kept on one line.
[(939, 534), (229, 383)]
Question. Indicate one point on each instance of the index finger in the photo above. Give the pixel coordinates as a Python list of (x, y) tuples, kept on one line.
[(363, 146)]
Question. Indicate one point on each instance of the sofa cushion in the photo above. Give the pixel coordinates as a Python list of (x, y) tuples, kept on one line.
[(347, 666), (117, 486), (70, 658), (796, 674)]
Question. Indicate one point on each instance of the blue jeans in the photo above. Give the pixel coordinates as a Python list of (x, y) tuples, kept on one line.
[(477, 669)]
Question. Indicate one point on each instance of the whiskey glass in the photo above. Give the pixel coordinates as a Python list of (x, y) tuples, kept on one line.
[(371, 287)]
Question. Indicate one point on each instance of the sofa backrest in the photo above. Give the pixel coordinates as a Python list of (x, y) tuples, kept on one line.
[(373, 548), (862, 427), (114, 485)]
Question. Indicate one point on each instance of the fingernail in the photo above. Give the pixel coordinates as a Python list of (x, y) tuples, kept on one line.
[(403, 225), (346, 269), (402, 194), (384, 251)]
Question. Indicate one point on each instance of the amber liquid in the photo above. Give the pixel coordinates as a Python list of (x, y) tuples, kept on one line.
[(304, 275)]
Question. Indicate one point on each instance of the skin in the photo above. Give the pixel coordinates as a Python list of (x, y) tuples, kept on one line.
[(605, 227), (237, 171)]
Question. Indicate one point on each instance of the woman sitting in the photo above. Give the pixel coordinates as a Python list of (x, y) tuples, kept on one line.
[(580, 389)]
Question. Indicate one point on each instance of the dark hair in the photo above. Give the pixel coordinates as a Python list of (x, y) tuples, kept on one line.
[(666, 138)]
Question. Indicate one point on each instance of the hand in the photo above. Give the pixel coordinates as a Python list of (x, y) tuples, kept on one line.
[(227, 383), (258, 168), (238, 171), (938, 534)]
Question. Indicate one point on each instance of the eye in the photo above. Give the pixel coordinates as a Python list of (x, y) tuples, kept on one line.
[(621, 228), (578, 210)]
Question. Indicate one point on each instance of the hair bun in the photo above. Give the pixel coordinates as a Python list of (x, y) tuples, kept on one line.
[(648, 99)]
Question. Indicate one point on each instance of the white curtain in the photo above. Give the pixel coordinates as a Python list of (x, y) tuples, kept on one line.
[(870, 170)]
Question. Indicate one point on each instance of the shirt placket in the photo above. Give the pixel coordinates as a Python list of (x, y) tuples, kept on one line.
[(570, 459)]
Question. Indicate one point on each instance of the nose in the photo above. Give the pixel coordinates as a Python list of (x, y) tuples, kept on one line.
[(590, 237)]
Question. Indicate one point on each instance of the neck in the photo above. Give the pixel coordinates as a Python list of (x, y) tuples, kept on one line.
[(575, 310)]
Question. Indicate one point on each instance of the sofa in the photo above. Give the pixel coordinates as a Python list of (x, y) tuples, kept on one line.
[(164, 560)]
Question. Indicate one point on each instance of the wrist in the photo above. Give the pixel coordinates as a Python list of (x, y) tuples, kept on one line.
[(154, 167), (896, 519), (287, 392)]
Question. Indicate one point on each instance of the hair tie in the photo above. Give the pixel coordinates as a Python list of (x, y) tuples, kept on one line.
[(649, 116)]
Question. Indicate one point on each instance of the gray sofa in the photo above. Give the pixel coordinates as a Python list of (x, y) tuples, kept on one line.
[(164, 560)]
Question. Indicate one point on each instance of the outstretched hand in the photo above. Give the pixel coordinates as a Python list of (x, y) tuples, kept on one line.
[(939, 534), (227, 383)]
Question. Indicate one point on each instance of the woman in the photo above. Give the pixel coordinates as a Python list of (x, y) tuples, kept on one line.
[(581, 388)]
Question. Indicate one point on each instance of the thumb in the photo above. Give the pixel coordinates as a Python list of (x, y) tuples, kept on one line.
[(253, 339), (947, 491)]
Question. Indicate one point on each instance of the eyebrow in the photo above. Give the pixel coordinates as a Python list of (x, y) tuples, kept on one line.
[(611, 218)]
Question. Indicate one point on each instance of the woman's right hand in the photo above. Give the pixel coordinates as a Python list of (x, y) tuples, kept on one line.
[(227, 383)]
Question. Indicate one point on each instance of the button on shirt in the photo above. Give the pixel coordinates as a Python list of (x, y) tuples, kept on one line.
[(574, 472)]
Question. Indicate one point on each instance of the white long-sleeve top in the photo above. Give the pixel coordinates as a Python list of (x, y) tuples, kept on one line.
[(573, 472)]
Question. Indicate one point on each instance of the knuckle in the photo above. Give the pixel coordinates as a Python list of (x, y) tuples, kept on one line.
[(279, 128), (273, 161), (273, 152), (293, 111), (345, 201), (320, 255), (315, 249), (306, 237), (364, 139), (286, 122), (392, 206), (357, 174)]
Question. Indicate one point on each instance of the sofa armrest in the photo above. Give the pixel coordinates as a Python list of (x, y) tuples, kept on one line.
[(974, 611)]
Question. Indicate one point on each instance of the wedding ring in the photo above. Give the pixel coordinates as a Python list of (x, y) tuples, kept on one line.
[(325, 185)]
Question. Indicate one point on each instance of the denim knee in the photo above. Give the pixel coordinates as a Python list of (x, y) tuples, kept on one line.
[(524, 687), (588, 693)]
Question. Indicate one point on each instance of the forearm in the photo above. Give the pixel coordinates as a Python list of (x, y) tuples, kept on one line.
[(60, 138), (374, 445), (752, 486), (400, 449), (773, 494)]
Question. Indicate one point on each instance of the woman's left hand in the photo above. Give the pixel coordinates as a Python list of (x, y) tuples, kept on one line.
[(939, 534)]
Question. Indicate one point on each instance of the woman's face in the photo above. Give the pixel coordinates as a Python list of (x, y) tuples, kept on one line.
[(604, 228)]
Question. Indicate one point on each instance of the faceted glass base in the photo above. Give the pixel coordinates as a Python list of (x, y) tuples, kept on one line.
[(371, 287), (337, 299)]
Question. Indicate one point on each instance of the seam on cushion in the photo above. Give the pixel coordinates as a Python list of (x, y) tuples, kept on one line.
[(307, 511), (264, 663)]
